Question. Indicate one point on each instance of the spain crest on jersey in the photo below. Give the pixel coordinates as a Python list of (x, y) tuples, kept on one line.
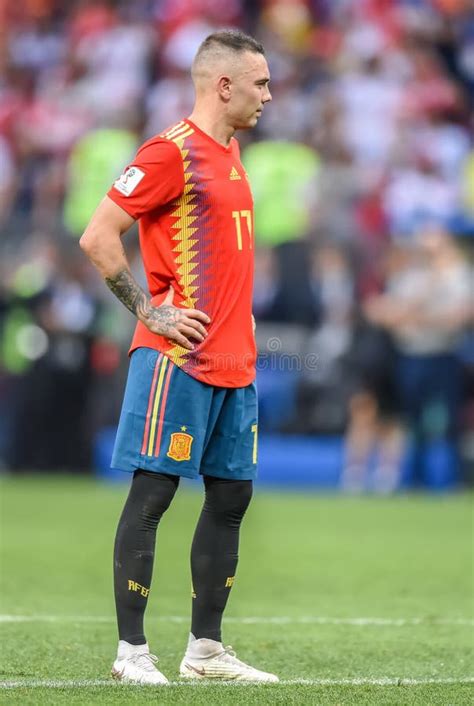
[(180, 446)]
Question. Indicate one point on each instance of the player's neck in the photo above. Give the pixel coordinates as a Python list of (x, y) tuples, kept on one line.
[(212, 126)]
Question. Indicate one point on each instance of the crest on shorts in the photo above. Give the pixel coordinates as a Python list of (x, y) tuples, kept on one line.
[(180, 446)]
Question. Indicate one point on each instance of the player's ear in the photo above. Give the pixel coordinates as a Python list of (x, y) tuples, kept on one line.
[(224, 87)]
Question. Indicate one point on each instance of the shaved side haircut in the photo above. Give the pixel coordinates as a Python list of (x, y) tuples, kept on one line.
[(226, 44)]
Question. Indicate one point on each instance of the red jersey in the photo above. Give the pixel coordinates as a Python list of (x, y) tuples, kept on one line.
[(195, 211)]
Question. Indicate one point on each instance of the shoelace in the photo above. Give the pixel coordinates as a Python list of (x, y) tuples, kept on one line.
[(148, 661), (228, 651)]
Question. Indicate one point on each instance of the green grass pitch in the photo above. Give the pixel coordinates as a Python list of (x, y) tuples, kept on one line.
[(349, 600)]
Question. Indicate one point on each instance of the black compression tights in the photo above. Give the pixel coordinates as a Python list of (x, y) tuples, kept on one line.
[(149, 497), (214, 551)]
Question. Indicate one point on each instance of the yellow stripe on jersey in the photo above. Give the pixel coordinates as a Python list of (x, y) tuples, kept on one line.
[(181, 137), (156, 404), (184, 251), (172, 132)]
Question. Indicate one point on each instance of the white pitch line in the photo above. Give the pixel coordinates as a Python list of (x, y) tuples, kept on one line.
[(264, 620), (356, 681)]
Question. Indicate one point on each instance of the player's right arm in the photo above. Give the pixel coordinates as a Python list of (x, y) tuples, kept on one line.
[(102, 243)]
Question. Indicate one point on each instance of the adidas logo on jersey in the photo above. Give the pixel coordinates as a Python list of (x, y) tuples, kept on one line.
[(234, 174)]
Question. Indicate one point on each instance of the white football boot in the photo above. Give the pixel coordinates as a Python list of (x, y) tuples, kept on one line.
[(208, 659), (135, 665)]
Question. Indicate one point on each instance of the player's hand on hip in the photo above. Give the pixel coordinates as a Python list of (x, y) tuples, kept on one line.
[(179, 325)]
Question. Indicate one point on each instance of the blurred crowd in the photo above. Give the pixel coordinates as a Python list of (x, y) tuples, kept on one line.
[(362, 170)]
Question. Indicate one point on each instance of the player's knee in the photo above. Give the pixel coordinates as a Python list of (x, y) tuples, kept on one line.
[(228, 499), (243, 493), (152, 494)]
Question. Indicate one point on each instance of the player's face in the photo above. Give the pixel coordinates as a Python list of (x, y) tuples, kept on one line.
[(249, 91)]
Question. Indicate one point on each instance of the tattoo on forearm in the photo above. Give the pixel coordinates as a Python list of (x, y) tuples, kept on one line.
[(129, 292), (158, 319)]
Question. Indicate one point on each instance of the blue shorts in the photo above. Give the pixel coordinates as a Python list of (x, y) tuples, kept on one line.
[(173, 423)]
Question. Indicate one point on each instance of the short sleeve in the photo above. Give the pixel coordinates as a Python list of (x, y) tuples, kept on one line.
[(154, 178)]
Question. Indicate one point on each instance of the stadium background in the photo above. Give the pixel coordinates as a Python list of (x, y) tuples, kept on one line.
[(363, 176)]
